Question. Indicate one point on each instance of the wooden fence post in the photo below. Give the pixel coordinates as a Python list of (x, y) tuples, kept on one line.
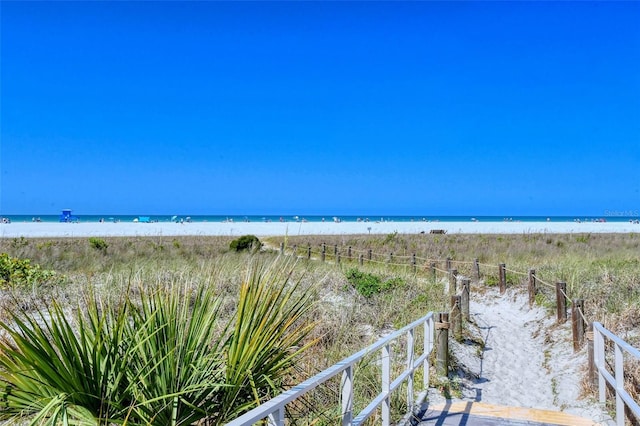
[(532, 287), (433, 270), (577, 323), (324, 252), (391, 257), (464, 299), (448, 263), (502, 277), (591, 364), (561, 301), (476, 263), (309, 252), (456, 317), (453, 281), (281, 248), (335, 250), (442, 339), (338, 258), (361, 259), (349, 253), (413, 263), (370, 254)]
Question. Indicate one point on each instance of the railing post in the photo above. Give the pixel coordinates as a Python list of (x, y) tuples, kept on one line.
[(464, 299), (577, 323), (456, 317), (598, 342), (502, 277), (276, 418), (561, 301), (476, 264), (309, 252), (370, 254), (442, 337), (590, 357), (386, 384), (349, 252), (448, 263), (360, 259), (532, 287), (346, 386), (429, 335), (410, 358), (453, 281), (413, 262), (619, 375), (324, 252), (281, 248)]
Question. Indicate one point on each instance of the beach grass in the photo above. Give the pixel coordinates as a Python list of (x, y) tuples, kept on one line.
[(603, 269)]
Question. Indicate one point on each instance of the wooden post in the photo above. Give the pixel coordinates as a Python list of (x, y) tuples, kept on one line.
[(433, 270), (453, 281), (360, 259), (532, 287), (335, 250), (502, 277), (370, 254), (413, 262), (456, 317), (577, 323), (349, 252), (464, 299), (590, 360), (338, 258), (476, 263), (561, 301), (442, 339), (281, 248), (391, 257), (324, 252), (295, 251), (448, 264)]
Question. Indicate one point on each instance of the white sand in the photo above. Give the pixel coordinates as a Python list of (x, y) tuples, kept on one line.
[(528, 361), (45, 229)]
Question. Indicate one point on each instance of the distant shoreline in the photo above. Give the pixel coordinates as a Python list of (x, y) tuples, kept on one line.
[(131, 229)]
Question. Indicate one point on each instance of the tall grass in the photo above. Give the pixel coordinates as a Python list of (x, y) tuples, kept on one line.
[(158, 354)]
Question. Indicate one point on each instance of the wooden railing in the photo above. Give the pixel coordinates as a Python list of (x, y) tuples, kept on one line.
[(274, 409), (616, 380)]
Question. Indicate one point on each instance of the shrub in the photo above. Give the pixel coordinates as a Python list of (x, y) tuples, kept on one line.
[(246, 242), (98, 244), (368, 284), (15, 272)]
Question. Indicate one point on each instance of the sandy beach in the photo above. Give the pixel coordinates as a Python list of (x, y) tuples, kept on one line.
[(108, 229)]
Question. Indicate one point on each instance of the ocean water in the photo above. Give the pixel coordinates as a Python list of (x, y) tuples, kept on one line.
[(318, 218)]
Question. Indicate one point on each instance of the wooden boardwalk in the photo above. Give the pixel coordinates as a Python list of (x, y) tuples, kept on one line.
[(478, 414)]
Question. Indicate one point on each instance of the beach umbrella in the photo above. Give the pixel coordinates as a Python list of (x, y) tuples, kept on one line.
[(173, 218)]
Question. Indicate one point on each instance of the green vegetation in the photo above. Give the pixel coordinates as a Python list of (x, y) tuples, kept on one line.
[(137, 273), (246, 242), (368, 284), (98, 243), (21, 273), (123, 361)]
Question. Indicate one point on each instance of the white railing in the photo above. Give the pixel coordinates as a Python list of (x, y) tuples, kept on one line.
[(617, 380), (274, 409)]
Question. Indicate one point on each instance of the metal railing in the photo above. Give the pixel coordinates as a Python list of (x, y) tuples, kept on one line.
[(274, 409), (616, 381)]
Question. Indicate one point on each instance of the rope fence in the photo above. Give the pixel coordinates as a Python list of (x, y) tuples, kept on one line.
[(458, 311)]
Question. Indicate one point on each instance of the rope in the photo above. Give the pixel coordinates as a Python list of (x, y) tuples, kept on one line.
[(440, 270), (464, 262), (565, 294), (538, 280), (583, 318), (517, 272)]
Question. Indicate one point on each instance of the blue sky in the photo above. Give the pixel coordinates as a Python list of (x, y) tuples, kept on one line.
[(416, 108)]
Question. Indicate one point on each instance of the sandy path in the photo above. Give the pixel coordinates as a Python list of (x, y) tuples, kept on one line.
[(527, 361)]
